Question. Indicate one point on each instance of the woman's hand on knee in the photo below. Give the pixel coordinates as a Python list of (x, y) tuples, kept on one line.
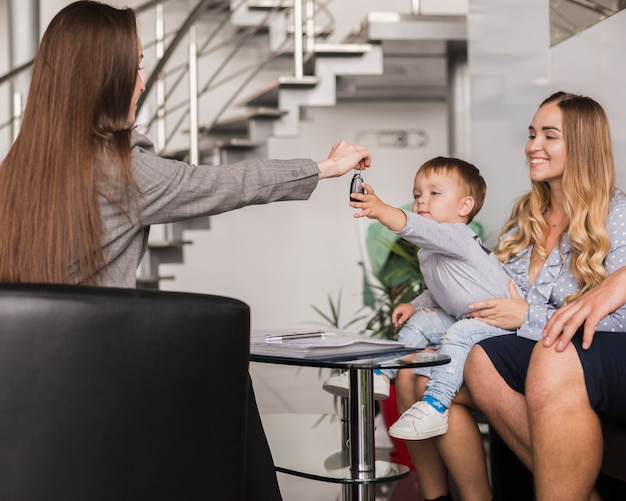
[(589, 309)]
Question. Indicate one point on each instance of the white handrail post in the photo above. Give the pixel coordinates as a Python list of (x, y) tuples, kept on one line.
[(17, 113), (310, 26), (160, 82), (193, 97), (297, 40)]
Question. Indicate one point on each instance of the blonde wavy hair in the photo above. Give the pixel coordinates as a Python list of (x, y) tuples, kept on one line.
[(588, 184)]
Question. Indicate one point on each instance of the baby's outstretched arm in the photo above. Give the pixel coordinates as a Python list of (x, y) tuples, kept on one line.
[(374, 208)]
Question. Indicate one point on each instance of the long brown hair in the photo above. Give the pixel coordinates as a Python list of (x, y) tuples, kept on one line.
[(73, 139), (588, 185)]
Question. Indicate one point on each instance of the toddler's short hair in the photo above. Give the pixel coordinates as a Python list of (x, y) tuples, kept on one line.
[(468, 174)]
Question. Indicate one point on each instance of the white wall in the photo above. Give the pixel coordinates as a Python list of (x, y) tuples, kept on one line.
[(592, 63), (508, 70), (283, 258)]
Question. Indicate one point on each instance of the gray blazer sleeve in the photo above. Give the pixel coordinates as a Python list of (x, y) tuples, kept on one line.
[(172, 190)]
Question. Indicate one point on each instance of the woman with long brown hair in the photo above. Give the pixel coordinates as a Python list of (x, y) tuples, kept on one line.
[(80, 187)]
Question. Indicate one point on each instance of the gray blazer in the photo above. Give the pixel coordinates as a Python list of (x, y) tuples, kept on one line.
[(173, 191)]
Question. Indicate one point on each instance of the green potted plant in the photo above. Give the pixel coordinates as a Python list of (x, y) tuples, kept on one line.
[(397, 281)]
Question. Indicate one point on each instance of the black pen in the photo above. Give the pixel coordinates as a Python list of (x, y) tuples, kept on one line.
[(294, 335)]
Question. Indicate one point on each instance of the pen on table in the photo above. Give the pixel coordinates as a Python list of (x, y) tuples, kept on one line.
[(294, 335)]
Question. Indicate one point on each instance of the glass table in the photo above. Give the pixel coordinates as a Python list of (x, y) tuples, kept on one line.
[(306, 444)]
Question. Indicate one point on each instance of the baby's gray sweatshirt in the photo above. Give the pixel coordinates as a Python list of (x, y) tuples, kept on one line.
[(458, 269)]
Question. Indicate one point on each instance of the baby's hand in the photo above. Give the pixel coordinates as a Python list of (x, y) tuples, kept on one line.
[(401, 314), (368, 202), (374, 208)]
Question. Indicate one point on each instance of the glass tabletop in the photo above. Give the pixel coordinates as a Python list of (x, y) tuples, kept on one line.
[(398, 360)]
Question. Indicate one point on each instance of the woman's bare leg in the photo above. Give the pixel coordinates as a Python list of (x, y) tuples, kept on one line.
[(565, 430), (463, 452), (507, 412), (459, 451), (504, 408)]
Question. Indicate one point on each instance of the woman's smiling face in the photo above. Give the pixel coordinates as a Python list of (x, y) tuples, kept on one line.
[(545, 149)]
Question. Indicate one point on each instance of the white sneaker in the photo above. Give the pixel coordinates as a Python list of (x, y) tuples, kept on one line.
[(340, 385), (419, 422)]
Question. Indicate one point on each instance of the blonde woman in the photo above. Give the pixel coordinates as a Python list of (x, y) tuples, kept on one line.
[(564, 237)]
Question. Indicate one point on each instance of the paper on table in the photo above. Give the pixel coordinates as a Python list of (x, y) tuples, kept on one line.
[(328, 345)]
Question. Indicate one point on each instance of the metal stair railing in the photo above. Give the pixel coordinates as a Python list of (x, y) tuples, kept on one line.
[(301, 51), (169, 249), (304, 43), (212, 81)]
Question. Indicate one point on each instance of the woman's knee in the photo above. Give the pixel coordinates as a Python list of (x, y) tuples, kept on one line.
[(475, 365), (482, 380), (553, 376)]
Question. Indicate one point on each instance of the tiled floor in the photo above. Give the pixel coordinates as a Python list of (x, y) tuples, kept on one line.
[(290, 389)]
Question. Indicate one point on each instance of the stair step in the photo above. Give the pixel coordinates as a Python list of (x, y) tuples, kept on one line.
[(268, 95), (166, 251), (233, 143), (303, 82), (269, 4), (414, 27), (163, 249), (318, 31), (184, 156), (152, 282), (236, 143), (168, 244), (323, 49), (342, 49), (241, 123)]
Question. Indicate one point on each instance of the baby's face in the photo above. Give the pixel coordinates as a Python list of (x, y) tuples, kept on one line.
[(439, 196)]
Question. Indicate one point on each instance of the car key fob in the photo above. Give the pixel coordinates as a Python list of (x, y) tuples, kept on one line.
[(356, 186)]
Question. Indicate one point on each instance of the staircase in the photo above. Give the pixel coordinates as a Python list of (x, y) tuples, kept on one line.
[(301, 70)]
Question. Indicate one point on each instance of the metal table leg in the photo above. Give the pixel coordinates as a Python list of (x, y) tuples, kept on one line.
[(361, 434)]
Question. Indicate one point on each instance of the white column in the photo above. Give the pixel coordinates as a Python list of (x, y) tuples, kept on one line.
[(23, 40)]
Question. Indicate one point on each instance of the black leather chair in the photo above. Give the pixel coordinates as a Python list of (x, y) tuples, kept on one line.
[(120, 394)]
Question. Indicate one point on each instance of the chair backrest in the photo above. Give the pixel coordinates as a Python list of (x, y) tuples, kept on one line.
[(121, 394)]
